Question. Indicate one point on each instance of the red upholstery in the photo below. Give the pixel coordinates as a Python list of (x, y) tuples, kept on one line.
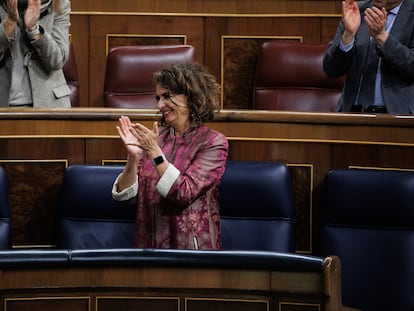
[(290, 76), (129, 69), (70, 70)]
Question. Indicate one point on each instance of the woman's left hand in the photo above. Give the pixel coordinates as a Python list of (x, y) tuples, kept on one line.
[(147, 138), (32, 14)]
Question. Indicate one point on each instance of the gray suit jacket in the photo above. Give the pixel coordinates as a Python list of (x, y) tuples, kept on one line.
[(397, 67), (47, 58)]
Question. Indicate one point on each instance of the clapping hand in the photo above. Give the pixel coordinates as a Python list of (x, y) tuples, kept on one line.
[(376, 19), (12, 11), (127, 137), (351, 16), (32, 14), (147, 138)]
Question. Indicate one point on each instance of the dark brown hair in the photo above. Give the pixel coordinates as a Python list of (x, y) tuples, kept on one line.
[(194, 81)]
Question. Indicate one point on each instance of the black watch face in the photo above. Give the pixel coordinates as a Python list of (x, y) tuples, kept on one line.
[(158, 160)]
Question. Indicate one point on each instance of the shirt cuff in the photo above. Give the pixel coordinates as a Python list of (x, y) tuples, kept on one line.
[(126, 194), (346, 47), (167, 180)]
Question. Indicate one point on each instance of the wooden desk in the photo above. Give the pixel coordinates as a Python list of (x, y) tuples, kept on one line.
[(36, 146), (152, 281)]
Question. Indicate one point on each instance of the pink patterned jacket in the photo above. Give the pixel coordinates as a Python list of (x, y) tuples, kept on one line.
[(190, 213)]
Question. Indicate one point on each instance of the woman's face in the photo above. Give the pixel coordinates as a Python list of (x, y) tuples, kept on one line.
[(174, 109)]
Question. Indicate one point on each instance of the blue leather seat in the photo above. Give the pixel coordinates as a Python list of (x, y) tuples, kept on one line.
[(366, 217), (88, 217), (257, 207), (5, 215)]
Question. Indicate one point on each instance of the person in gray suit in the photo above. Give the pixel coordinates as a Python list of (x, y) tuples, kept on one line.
[(374, 47), (34, 46)]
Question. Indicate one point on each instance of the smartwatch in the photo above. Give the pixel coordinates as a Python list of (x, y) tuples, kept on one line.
[(158, 160)]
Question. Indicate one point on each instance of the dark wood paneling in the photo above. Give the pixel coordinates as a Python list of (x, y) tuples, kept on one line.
[(47, 303), (114, 40), (212, 7), (26, 148), (223, 304), (138, 303), (171, 285), (105, 149), (298, 306), (397, 157), (239, 58), (33, 193), (35, 169), (80, 37), (328, 28)]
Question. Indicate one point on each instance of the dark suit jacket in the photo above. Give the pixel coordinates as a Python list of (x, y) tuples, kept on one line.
[(397, 61)]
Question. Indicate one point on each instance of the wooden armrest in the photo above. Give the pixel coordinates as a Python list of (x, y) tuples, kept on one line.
[(333, 286)]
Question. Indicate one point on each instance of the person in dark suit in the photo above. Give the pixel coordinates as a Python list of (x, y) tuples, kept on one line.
[(374, 47)]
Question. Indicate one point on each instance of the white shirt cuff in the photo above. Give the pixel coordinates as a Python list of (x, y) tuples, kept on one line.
[(126, 194), (167, 180)]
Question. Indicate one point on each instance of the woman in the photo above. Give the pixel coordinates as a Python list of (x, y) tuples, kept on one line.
[(174, 171), (34, 46)]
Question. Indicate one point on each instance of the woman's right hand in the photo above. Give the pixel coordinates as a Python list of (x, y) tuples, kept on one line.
[(129, 174), (129, 140), (12, 11)]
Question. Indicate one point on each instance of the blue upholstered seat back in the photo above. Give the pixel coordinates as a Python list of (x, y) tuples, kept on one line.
[(5, 215), (257, 207), (367, 219), (88, 217)]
